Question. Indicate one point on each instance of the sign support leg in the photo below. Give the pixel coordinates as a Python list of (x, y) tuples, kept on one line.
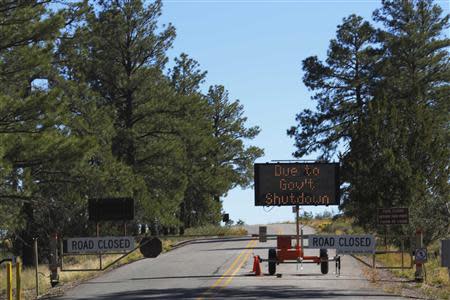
[(419, 268), (36, 264), (297, 222), (98, 235), (403, 250), (54, 260), (385, 237)]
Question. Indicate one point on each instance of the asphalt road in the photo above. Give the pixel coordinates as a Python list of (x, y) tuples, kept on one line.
[(220, 269)]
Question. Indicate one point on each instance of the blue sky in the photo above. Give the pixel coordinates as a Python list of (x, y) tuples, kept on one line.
[(255, 49)]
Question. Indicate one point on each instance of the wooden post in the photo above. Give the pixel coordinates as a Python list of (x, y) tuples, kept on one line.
[(36, 265), (9, 280), (54, 260), (99, 255), (403, 250), (385, 237), (297, 218)]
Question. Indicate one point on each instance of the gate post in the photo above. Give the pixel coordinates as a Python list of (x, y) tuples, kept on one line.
[(419, 244)]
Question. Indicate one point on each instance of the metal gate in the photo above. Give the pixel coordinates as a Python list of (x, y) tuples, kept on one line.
[(405, 250)]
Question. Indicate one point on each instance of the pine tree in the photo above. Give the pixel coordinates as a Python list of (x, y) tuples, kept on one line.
[(396, 139), (416, 81), (121, 54), (342, 90), (233, 158), (38, 151)]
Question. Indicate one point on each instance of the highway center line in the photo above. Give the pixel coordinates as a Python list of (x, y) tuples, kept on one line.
[(218, 281), (247, 250), (230, 278)]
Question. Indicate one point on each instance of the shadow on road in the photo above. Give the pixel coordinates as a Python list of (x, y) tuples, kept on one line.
[(221, 240), (284, 292), (236, 248)]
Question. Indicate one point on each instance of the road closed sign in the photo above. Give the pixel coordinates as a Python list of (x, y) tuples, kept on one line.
[(344, 244), (99, 244)]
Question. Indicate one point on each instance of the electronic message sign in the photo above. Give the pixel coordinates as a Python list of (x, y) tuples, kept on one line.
[(111, 209), (282, 184)]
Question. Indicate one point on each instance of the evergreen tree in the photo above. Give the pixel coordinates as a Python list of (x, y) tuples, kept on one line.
[(233, 159), (417, 82), (342, 87), (121, 55), (38, 150), (396, 136), (197, 207)]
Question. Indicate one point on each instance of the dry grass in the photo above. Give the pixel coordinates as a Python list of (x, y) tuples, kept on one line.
[(92, 262), (28, 275), (436, 284)]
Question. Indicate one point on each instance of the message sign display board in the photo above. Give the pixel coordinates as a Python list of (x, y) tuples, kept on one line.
[(282, 184), (445, 253), (99, 244), (392, 216), (111, 209), (360, 243)]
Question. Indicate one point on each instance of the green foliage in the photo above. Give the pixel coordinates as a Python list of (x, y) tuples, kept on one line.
[(306, 216), (88, 110), (240, 222), (383, 98), (324, 215)]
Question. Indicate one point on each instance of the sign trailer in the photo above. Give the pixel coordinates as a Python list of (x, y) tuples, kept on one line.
[(295, 184)]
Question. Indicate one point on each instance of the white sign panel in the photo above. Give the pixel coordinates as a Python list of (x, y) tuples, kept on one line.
[(361, 243), (100, 244)]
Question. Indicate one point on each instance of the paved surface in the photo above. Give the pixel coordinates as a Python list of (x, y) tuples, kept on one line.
[(219, 269)]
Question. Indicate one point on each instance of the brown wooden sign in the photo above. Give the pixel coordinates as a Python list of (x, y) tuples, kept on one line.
[(393, 216)]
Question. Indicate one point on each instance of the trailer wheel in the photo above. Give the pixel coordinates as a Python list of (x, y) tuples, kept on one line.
[(324, 264), (272, 261)]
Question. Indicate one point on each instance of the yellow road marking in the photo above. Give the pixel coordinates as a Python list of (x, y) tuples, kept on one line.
[(246, 253), (228, 281), (236, 260)]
